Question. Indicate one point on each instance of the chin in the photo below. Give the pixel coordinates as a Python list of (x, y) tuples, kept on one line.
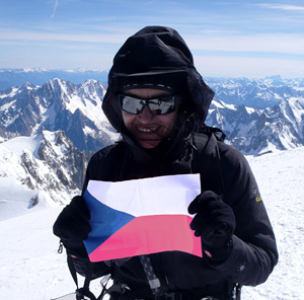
[(149, 144)]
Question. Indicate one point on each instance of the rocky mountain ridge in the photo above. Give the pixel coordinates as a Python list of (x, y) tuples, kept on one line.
[(256, 131), (47, 132), (57, 105), (257, 116), (47, 164)]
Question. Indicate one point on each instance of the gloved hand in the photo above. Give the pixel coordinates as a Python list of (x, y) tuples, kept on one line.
[(214, 222), (72, 226)]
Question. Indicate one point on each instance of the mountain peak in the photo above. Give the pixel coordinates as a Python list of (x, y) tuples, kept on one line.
[(58, 105)]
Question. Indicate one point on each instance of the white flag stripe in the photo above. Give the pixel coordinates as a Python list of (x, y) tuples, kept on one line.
[(149, 196)]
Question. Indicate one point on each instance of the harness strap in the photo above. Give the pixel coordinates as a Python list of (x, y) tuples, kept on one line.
[(84, 291), (154, 282)]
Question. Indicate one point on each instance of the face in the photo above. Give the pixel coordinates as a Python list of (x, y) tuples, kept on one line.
[(148, 129)]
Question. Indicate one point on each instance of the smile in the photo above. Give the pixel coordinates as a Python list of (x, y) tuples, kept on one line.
[(146, 130)]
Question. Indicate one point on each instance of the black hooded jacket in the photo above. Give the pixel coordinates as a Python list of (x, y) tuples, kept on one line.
[(159, 55)]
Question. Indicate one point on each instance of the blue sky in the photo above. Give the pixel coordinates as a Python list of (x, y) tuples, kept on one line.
[(227, 38)]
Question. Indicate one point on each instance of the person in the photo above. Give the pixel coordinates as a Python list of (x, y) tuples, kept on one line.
[(158, 102)]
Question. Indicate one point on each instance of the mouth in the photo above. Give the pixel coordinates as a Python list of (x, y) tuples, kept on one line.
[(148, 136), (147, 129)]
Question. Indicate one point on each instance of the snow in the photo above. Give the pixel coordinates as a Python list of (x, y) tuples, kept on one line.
[(18, 205), (6, 106), (88, 131), (10, 163), (32, 269), (13, 92), (9, 121), (297, 110), (17, 145), (218, 104), (250, 110), (221, 104), (13, 173), (281, 179)]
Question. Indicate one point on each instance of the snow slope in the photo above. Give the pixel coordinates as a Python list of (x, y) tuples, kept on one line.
[(37, 172), (32, 269), (15, 197), (281, 180)]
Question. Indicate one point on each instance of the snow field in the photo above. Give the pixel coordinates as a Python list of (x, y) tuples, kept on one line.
[(32, 269), (281, 179)]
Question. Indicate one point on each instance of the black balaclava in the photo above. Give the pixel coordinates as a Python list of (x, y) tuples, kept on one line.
[(157, 55)]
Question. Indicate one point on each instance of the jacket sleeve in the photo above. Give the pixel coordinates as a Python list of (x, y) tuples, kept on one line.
[(254, 253)]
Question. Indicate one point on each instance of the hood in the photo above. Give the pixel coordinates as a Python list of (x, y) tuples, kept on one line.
[(156, 55)]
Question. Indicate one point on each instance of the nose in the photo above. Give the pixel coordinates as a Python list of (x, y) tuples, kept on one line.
[(145, 116)]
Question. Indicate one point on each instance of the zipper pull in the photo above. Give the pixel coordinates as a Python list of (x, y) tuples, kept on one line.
[(60, 248)]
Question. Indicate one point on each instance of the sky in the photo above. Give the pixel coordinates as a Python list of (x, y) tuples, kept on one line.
[(241, 38)]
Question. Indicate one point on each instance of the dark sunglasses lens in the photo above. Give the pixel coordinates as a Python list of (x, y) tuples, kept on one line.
[(132, 105), (161, 107)]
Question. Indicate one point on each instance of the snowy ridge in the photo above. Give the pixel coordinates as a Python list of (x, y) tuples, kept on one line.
[(256, 131), (57, 105), (48, 133), (280, 178), (254, 126), (47, 168)]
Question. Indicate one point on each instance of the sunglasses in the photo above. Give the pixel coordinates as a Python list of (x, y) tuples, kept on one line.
[(157, 106)]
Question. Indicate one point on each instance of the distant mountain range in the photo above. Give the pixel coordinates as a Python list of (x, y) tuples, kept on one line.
[(18, 77), (257, 131), (257, 93), (257, 115), (48, 131)]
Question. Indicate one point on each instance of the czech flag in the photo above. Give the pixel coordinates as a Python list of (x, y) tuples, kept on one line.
[(143, 216)]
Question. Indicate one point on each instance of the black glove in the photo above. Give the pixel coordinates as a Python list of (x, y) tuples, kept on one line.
[(72, 226), (214, 223)]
